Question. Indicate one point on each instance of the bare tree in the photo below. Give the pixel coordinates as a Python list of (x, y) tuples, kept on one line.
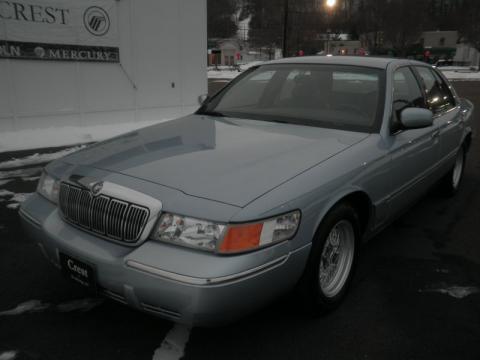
[(221, 21), (468, 20), (370, 21), (404, 22)]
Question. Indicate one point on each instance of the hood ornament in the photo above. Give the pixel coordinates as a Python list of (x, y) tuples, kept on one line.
[(96, 188)]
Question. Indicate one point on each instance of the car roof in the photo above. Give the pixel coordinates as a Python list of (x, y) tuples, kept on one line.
[(365, 61)]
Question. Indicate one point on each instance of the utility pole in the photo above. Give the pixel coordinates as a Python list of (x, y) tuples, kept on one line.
[(285, 29)]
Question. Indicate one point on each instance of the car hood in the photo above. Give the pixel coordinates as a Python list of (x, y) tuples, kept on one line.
[(228, 160)]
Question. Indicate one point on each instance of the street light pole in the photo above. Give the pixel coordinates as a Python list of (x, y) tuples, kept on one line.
[(328, 40), (285, 29), (330, 4)]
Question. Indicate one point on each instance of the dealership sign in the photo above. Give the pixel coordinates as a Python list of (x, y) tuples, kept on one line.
[(69, 30)]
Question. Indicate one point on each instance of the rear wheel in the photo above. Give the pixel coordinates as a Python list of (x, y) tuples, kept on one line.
[(332, 260), (453, 179)]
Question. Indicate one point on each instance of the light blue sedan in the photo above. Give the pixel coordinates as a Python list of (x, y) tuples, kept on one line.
[(272, 185)]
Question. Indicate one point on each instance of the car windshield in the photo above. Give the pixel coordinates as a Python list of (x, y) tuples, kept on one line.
[(343, 97)]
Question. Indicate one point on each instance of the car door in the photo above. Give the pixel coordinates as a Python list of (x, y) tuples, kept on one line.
[(447, 114), (414, 152)]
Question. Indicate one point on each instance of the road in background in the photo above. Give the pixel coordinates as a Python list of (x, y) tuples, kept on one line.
[(414, 294)]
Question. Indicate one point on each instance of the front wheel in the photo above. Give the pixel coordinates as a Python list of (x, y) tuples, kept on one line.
[(332, 260)]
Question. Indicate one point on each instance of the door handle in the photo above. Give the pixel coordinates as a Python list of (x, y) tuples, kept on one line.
[(435, 134)]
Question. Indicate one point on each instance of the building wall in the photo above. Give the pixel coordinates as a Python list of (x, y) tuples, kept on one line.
[(161, 73), (350, 47), (467, 56), (440, 39)]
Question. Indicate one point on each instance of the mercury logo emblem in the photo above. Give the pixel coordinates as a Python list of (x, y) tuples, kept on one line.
[(96, 21), (39, 51), (96, 188)]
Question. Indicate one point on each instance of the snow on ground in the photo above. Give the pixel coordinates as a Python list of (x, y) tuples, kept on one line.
[(21, 173), (38, 158), (458, 292), (13, 199), (26, 307), (80, 305), (64, 136), (173, 346), (459, 73), (5, 193), (32, 306), (5, 182), (227, 72), (32, 178), (17, 199), (8, 355)]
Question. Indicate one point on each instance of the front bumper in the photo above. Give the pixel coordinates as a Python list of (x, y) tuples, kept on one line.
[(178, 284)]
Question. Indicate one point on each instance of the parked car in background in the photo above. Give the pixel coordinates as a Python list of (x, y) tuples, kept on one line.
[(273, 184)]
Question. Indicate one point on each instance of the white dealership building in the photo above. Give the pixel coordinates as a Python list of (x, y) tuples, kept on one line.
[(75, 71)]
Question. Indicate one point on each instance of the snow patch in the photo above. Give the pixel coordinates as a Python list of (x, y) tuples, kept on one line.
[(223, 74), (226, 72), (26, 307), (17, 199), (80, 305), (458, 292), (8, 355), (37, 306), (31, 178), (38, 158), (5, 193), (460, 73), (244, 28), (173, 346), (20, 173), (4, 182), (20, 197), (67, 135)]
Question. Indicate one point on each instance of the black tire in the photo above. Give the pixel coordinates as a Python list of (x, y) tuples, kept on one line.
[(450, 184), (313, 297)]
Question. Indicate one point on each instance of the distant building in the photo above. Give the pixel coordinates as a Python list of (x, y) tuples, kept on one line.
[(346, 47), (467, 56), (224, 52), (439, 39), (232, 52)]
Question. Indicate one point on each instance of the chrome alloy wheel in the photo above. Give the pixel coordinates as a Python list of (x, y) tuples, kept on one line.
[(458, 169), (337, 258)]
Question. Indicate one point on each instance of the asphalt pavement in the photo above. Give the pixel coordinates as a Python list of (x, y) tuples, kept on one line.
[(415, 294)]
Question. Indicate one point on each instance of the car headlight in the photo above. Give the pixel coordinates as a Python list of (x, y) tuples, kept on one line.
[(48, 187), (223, 238), (188, 231)]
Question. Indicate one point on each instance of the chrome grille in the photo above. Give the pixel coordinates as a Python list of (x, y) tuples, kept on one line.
[(106, 216)]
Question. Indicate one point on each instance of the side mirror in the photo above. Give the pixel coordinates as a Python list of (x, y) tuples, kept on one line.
[(416, 118), (202, 98)]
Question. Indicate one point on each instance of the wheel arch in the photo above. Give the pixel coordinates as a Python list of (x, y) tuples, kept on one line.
[(360, 201), (467, 141)]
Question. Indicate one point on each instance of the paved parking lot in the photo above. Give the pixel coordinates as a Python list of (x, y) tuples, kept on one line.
[(415, 295)]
